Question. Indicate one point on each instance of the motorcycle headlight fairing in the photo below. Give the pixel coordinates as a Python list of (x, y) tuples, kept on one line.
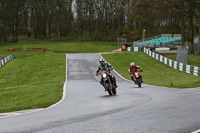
[(104, 75), (136, 74)]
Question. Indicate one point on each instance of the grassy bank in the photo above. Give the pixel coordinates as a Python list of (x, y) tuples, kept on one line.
[(193, 59), (30, 97), (33, 68), (155, 73), (42, 75)]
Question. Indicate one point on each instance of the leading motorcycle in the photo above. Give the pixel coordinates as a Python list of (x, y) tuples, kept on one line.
[(107, 83)]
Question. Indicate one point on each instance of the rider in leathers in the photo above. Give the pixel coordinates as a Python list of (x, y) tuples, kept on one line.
[(104, 66), (133, 68)]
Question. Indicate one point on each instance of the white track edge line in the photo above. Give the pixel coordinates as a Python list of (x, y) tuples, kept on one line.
[(197, 131), (64, 89)]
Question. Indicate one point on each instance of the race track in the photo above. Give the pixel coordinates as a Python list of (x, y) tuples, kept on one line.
[(87, 108)]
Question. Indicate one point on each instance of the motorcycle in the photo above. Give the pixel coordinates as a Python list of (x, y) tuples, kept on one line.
[(138, 78), (107, 83)]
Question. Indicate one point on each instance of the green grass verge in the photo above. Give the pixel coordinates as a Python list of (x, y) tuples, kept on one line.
[(33, 68), (154, 72), (68, 47), (193, 59), (30, 97), (45, 72)]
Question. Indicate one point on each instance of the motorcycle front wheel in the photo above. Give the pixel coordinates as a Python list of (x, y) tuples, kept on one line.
[(114, 91), (138, 82), (108, 88)]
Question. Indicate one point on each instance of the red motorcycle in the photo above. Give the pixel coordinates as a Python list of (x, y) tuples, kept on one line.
[(138, 78)]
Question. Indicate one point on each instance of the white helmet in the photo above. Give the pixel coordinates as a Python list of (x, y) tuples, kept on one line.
[(132, 64), (101, 61)]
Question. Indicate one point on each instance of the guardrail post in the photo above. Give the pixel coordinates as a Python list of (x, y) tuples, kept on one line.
[(172, 64), (184, 68), (192, 70), (178, 65)]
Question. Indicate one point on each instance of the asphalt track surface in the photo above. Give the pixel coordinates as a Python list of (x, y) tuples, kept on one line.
[(88, 109)]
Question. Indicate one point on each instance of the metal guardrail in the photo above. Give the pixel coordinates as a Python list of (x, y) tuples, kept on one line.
[(174, 64), (6, 59)]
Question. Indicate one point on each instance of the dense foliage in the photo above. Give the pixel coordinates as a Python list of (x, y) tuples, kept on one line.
[(97, 19)]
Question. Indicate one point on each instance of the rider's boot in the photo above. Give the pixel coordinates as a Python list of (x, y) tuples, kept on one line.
[(133, 79), (115, 84)]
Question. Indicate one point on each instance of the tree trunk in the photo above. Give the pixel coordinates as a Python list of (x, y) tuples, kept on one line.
[(58, 30), (5, 39), (199, 40), (47, 29), (182, 31), (190, 28)]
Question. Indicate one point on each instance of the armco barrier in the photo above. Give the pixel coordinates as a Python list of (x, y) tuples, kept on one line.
[(6, 59), (174, 64), (135, 49)]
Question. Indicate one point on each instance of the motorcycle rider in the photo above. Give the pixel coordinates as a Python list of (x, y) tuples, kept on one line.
[(104, 66), (133, 68)]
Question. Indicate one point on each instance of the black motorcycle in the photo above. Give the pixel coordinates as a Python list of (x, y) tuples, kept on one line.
[(107, 83)]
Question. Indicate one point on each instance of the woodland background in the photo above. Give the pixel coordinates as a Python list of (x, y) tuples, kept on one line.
[(98, 20)]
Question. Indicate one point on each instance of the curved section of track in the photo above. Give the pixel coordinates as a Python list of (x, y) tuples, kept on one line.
[(87, 108)]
